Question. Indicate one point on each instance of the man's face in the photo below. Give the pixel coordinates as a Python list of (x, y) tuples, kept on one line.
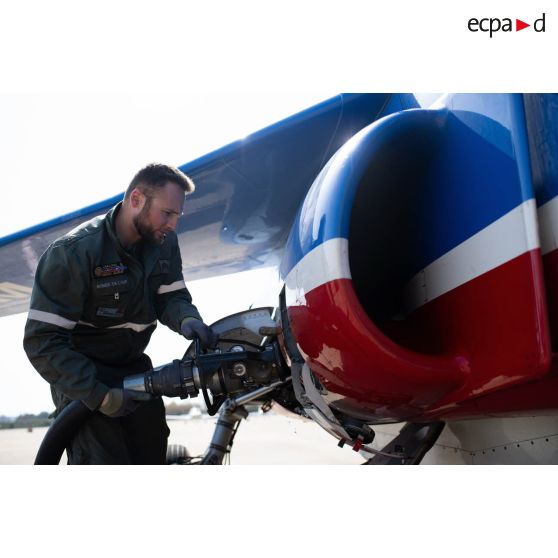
[(160, 213)]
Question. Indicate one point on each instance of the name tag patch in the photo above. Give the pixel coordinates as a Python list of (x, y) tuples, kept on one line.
[(110, 269), (112, 283), (110, 312)]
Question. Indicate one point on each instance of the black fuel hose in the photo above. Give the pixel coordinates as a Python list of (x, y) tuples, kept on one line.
[(61, 431)]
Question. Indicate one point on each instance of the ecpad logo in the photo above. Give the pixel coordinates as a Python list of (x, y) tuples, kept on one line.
[(493, 25)]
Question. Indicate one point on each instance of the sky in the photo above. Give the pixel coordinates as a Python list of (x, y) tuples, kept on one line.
[(59, 153)]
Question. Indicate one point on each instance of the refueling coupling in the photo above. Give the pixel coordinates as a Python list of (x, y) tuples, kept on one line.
[(217, 374)]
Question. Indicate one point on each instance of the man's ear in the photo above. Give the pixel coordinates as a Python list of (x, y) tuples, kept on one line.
[(137, 199)]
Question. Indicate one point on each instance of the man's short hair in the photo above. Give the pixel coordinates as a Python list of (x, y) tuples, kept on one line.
[(156, 175)]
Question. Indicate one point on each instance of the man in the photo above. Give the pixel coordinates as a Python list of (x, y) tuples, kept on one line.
[(98, 293)]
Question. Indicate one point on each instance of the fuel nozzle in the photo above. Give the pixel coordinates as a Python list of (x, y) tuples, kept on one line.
[(219, 374), (175, 379)]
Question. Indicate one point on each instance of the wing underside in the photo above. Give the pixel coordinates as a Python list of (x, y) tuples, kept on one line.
[(246, 197)]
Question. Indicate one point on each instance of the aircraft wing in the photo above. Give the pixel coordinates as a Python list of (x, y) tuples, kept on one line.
[(246, 198)]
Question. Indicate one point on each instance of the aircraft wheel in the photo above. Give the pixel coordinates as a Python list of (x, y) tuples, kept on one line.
[(177, 455)]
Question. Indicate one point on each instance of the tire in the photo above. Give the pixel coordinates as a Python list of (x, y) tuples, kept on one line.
[(177, 454)]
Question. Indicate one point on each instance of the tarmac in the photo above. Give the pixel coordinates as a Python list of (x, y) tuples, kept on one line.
[(262, 439)]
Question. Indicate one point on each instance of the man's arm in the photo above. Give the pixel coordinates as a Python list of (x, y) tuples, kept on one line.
[(59, 292), (173, 302)]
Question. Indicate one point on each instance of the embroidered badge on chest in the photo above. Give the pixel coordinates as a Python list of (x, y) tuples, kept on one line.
[(110, 269), (164, 266)]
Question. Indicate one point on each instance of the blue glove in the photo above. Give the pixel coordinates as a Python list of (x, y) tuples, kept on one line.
[(192, 328), (121, 402)]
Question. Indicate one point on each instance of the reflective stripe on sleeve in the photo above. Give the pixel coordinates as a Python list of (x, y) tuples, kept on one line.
[(172, 287), (129, 325), (54, 319)]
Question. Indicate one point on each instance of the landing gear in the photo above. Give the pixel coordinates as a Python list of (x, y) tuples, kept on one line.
[(219, 449), (177, 455)]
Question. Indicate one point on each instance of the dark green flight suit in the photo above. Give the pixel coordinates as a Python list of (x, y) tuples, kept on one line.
[(93, 309)]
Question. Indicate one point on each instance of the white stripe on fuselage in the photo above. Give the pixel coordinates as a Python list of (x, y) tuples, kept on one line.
[(503, 240), (327, 262), (514, 234)]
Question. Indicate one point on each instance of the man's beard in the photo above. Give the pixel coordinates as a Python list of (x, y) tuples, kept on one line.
[(145, 230)]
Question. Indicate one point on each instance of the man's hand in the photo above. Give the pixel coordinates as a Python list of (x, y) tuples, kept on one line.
[(192, 328), (121, 402)]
